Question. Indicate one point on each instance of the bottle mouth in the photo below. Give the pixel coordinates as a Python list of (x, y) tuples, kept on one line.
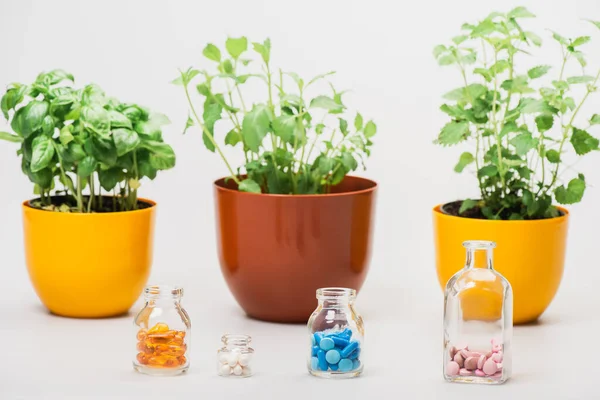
[(336, 293), (163, 291), (236, 340), (479, 245)]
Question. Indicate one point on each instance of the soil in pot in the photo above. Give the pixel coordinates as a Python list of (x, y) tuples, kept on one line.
[(69, 204), (453, 208)]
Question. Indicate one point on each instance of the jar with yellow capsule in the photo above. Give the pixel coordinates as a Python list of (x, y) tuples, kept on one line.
[(162, 333), (478, 320)]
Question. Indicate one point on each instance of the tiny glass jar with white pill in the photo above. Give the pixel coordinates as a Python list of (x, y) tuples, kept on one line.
[(336, 335), (478, 320), (235, 357)]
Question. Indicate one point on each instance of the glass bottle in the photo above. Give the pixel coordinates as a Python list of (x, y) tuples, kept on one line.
[(336, 335), (162, 333), (478, 320), (235, 357)]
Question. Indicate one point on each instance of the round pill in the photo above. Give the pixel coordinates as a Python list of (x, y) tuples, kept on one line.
[(312, 339), (471, 363), (452, 351), (355, 364), (314, 364), (246, 371), (232, 359), (452, 368), (345, 365), (225, 370), (223, 357), (499, 365), (497, 348), (333, 367), (332, 356), (237, 370), (497, 357), (479, 372), (327, 344), (490, 367), (481, 361), (459, 359), (465, 372), (245, 358)]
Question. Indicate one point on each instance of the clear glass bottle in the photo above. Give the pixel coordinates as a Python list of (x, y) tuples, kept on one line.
[(235, 357), (336, 335), (162, 333), (478, 320)]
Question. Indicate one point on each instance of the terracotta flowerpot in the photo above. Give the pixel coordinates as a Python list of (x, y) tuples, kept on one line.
[(276, 250), (88, 265), (530, 254)]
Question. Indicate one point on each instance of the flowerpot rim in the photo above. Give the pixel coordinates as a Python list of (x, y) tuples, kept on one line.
[(565, 214), (27, 205), (371, 187)]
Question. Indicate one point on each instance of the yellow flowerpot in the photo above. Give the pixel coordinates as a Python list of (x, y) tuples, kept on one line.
[(530, 254), (88, 265)]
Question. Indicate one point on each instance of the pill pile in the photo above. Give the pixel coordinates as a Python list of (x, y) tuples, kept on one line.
[(335, 351), (464, 362), (234, 363), (161, 347)]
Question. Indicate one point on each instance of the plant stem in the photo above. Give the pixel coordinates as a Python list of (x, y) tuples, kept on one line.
[(91, 197), (210, 136), (496, 134), (79, 197)]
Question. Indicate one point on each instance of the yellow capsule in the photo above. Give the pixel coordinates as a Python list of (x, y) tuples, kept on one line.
[(142, 358), (142, 334), (158, 328)]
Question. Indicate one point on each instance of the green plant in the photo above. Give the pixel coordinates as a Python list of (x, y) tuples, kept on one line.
[(83, 139), (288, 147), (521, 130)]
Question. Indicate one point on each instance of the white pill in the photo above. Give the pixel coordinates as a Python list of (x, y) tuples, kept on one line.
[(237, 370), (246, 371), (223, 358), (244, 359), (225, 370), (232, 359)]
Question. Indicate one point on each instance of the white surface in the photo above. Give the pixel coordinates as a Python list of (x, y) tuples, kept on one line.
[(382, 50)]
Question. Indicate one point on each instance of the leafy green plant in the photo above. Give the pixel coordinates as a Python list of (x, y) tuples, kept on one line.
[(290, 145), (521, 124), (83, 139)]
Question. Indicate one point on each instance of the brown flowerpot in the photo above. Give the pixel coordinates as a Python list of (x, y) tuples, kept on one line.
[(276, 250)]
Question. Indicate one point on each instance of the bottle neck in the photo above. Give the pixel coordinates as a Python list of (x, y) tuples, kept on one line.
[(163, 294), (480, 258), (236, 341), (336, 297)]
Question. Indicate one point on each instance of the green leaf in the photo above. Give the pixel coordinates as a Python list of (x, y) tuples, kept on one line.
[(370, 129), (595, 120), (256, 125), (30, 118), (583, 142), (535, 39), (325, 164), (544, 122), (188, 124), (86, 166), (487, 170), (597, 23), (453, 132), (467, 205), (553, 156), (358, 122), (161, 156), (232, 138), (509, 127), (250, 186), (185, 77), (318, 77), (212, 113), (520, 12), (533, 106), (236, 46), (580, 41), (212, 52), (12, 98), (471, 92), (125, 140), (96, 119), (465, 159), (227, 66), (560, 39), (43, 151), (284, 126), (102, 148), (349, 162), (459, 39), (523, 143), (263, 49), (9, 137), (439, 50), (299, 81), (539, 71), (580, 57), (573, 193), (573, 80), (325, 102), (119, 120), (65, 135), (110, 178), (343, 126)]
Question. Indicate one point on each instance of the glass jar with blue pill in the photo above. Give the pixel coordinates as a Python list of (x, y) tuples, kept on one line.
[(336, 335)]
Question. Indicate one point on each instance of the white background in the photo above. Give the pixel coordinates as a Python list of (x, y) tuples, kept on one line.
[(382, 51)]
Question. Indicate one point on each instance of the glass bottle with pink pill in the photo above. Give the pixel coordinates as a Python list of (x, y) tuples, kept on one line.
[(336, 335), (478, 320)]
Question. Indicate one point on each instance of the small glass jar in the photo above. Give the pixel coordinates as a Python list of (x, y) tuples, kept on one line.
[(162, 333), (235, 357), (336, 335), (478, 320)]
